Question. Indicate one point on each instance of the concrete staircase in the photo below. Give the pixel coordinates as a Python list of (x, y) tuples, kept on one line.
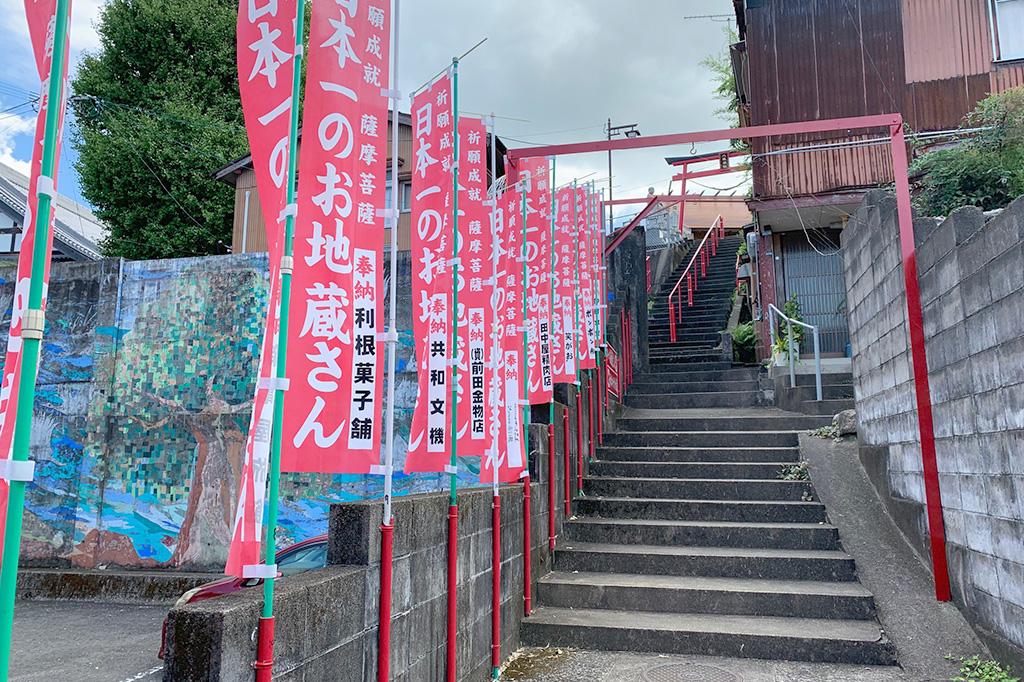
[(686, 541), (836, 393)]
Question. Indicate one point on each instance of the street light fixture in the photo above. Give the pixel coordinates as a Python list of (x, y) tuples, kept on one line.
[(630, 131)]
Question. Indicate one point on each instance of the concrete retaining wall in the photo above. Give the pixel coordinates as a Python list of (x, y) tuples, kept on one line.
[(327, 620), (971, 271)]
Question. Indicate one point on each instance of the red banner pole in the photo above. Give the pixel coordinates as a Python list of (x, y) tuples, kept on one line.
[(568, 463), (915, 323), (579, 438), (387, 528)]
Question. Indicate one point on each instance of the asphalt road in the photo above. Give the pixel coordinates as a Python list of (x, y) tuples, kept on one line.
[(86, 642)]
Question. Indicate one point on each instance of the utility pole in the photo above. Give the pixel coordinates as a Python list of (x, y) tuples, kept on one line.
[(630, 130)]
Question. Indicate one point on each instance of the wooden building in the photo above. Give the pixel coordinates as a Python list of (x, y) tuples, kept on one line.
[(248, 232), (930, 60)]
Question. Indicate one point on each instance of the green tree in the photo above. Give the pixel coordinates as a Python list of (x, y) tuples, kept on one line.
[(722, 75), (157, 113), (986, 169)]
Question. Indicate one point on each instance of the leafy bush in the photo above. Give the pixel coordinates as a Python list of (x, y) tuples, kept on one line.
[(986, 170), (795, 472), (744, 338), (975, 669)]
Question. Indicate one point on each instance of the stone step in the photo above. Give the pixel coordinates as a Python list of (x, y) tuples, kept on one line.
[(676, 455), (706, 439), (828, 391), (716, 365), (758, 511), (692, 387), (704, 595), (720, 562), (797, 639), (662, 532), (725, 423), (706, 470), (826, 408), (684, 357), (699, 488), (693, 400), (662, 377)]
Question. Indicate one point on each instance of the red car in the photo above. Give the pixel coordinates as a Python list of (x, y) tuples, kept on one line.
[(298, 558)]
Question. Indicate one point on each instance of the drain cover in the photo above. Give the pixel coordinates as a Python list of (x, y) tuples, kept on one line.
[(684, 672)]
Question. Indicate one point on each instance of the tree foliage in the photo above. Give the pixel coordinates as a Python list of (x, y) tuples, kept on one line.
[(720, 66), (984, 170), (157, 114)]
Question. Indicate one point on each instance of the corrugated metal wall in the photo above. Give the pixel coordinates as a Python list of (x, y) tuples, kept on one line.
[(817, 282), (931, 60)]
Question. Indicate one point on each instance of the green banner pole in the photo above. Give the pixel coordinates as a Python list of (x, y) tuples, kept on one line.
[(30, 344), (453, 481), (265, 644), (453, 507)]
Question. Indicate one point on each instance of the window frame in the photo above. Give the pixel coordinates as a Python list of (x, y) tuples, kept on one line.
[(995, 29)]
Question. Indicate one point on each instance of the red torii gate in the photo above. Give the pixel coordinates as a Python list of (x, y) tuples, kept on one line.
[(894, 124)]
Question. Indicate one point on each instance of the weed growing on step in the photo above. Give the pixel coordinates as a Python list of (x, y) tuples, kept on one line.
[(795, 472), (830, 431), (976, 669)]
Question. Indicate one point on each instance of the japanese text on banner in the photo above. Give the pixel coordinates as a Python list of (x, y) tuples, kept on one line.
[(474, 290), (265, 38), (536, 179), (333, 422), (507, 383), (564, 287), (433, 149)]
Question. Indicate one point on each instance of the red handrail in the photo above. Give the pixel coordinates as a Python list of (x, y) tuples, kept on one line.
[(690, 274), (647, 265)]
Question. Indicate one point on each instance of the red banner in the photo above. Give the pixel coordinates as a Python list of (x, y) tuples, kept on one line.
[(612, 373), (590, 314), (433, 147), (564, 287), (536, 177), (41, 20), (332, 423), (583, 290), (597, 241), (508, 449), (264, 44), (474, 290)]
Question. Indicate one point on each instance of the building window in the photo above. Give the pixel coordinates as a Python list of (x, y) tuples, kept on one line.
[(404, 194), (1008, 29)]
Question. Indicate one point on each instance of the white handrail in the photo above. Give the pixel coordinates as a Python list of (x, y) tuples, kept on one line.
[(772, 312)]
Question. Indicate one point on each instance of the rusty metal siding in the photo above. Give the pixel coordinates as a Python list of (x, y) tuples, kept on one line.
[(819, 171), (1006, 76), (946, 39), (931, 60)]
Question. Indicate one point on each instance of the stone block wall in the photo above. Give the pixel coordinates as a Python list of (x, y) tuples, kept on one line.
[(327, 620), (971, 272)]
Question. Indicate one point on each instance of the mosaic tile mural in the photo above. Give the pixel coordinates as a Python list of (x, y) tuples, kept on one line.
[(143, 401)]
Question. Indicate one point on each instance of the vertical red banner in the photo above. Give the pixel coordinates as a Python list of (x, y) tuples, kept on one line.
[(474, 290), (563, 288), (264, 43), (333, 420), (433, 149), (41, 16), (508, 450), (536, 178), (585, 281)]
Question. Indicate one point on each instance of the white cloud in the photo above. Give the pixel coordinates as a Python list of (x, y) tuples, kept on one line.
[(11, 126)]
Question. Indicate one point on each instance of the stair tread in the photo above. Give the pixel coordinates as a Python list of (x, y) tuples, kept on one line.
[(669, 523), (756, 481), (696, 582), (661, 500), (696, 550), (764, 626)]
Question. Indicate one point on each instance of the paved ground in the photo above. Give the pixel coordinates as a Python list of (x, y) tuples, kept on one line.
[(923, 629), (563, 665), (86, 642)]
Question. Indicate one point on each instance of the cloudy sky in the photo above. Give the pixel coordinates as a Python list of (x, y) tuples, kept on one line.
[(562, 66)]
